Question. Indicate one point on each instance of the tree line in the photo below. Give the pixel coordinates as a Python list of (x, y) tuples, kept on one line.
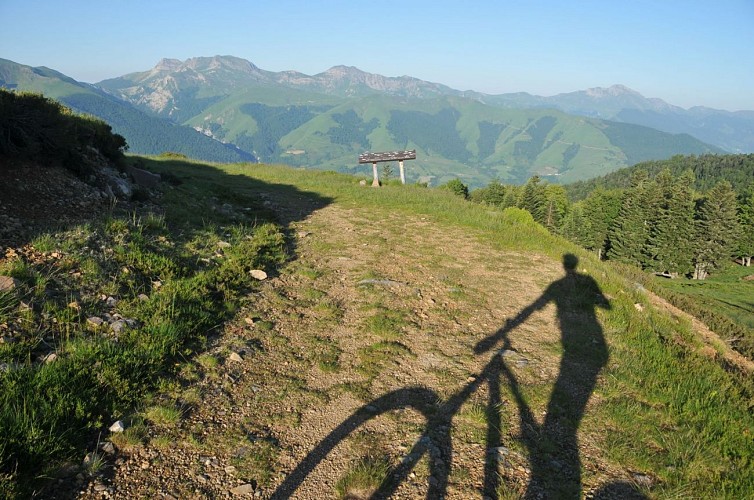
[(660, 223)]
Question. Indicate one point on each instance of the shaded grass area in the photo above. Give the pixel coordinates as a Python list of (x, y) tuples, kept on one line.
[(170, 277)]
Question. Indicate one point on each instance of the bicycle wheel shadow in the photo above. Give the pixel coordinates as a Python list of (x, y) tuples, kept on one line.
[(552, 446)]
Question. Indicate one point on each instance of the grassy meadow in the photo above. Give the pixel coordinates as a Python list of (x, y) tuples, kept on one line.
[(180, 269)]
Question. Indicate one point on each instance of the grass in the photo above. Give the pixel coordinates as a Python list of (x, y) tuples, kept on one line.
[(362, 479), (725, 294), (375, 356), (166, 416), (659, 407), (386, 324), (655, 394), (49, 411)]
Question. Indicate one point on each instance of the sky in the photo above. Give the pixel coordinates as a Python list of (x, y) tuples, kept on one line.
[(686, 52)]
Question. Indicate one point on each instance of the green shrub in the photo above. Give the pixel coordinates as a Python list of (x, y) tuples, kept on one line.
[(41, 129)]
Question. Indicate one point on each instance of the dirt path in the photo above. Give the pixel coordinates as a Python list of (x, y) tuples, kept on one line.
[(368, 334)]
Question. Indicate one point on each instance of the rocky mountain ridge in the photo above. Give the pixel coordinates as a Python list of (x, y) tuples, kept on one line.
[(732, 131)]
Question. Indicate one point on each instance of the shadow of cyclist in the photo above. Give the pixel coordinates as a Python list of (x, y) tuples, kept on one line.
[(553, 445)]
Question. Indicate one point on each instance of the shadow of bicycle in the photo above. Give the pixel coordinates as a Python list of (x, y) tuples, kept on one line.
[(552, 446)]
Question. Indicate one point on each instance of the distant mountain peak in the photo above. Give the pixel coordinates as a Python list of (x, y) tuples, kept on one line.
[(205, 64), (612, 91), (168, 65), (342, 71)]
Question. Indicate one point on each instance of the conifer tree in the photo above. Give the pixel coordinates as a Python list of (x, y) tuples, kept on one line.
[(716, 229), (670, 238), (573, 227), (601, 208), (533, 199), (512, 194), (555, 207), (630, 231), (745, 243)]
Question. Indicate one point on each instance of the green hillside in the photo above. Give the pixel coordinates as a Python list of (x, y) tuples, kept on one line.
[(352, 112), (252, 113), (144, 133), (454, 137), (708, 170)]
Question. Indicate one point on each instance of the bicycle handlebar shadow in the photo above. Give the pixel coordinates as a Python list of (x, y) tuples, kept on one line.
[(552, 446)]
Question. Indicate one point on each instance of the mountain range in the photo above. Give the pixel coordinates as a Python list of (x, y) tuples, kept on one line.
[(326, 120)]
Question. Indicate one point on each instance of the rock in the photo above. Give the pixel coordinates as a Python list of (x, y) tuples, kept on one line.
[(500, 450), (107, 447), (639, 307), (7, 283), (50, 358), (223, 244), (118, 326), (143, 297), (249, 321), (99, 487), (362, 182), (94, 321), (118, 426), (143, 178), (111, 301), (244, 489), (230, 469), (258, 274), (234, 356), (383, 282), (642, 480)]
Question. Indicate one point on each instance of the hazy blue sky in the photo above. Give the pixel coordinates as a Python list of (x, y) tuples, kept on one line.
[(686, 52)]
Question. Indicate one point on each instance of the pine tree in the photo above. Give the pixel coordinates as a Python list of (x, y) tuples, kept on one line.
[(745, 243), (716, 229), (533, 199), (556, 206), (601, 208), (573, 227), (671, 233), (630, 231)]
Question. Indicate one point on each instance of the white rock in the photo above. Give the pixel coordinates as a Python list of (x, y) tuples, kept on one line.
[(118, 426), (258, 274), (234, 356), (7, 283), (244, 489)]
